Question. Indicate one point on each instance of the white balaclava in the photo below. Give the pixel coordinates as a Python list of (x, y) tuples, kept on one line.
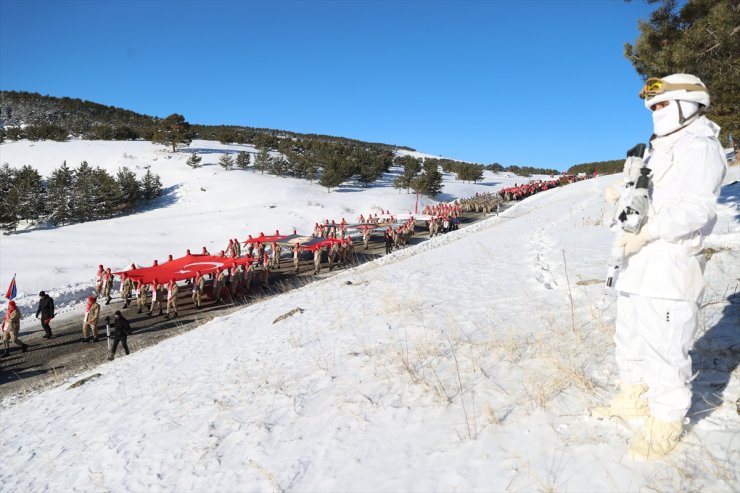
[(674, 116)]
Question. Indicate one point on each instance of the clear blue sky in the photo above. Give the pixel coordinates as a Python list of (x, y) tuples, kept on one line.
[(537, 82)]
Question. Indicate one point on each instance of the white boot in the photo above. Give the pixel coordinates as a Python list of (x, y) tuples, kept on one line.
[(629, 403), (655, 439)]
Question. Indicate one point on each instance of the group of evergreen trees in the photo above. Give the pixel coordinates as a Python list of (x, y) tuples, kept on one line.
[(521, 170), (89, 120), (463, 171), (35, 132), (335, 163), (71, 195), (600, 167), (331, 163), (421, 176), (76, 117)]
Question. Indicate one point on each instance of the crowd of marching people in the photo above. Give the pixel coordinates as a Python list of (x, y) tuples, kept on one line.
[(161, 297), (482, 203), (443, 217), (521, 192)]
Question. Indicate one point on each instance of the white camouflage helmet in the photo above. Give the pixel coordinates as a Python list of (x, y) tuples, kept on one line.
[(681, 87)]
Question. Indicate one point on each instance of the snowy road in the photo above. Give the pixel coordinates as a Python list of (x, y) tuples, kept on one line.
[(50, 362)]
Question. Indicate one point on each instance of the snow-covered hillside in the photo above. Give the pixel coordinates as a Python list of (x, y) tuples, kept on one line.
[(467, 363), (200, 207)]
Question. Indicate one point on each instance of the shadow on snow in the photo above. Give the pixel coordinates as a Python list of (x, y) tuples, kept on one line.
[(714, 358)]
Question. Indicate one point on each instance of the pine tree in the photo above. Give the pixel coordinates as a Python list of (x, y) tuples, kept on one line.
[(331, 175), (469, 172), (262, 160), (173, 131), (31, 193), (226, 136), (130, 188), (366, 175), (102, 132), (108, 193), (364, 168), (226, 161), (433, 177), (84, 193), (476, 173), (125, 133), (302, 165), (242, 159), (419, 183), (194, 160), (411, 168), (151, 186), (278, 166), (14, 133), (402, 182), (434, 183), (58, 194), (8, 199), (311, 170)]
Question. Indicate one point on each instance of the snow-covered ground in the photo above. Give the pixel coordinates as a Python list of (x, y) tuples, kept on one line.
[(467, 363)]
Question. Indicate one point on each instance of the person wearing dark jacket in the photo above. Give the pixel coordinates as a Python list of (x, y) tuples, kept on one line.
[(123, 329), (46, 310)]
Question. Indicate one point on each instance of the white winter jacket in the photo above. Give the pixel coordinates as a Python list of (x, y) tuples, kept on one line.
[(687, 172)]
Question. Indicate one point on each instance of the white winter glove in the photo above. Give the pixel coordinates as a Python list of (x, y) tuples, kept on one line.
[(632, 167), (632, 243), (612, 194)]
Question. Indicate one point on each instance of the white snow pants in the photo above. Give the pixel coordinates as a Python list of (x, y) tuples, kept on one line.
[(652, 339)]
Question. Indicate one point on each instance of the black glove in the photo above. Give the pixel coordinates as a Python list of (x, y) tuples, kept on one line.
[(637, 151)]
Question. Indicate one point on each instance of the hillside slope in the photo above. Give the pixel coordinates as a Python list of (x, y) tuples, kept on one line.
[(467, 363)]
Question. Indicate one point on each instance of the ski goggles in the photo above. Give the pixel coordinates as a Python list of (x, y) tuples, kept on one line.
[(654, 86)]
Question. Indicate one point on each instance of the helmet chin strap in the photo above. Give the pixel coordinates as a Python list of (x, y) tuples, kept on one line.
[(682, 120)]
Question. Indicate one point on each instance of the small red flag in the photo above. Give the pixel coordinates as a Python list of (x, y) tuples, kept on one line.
[(12, 291)]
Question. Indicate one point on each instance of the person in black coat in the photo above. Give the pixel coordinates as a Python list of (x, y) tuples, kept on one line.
[(123, 329), (46, 310)]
